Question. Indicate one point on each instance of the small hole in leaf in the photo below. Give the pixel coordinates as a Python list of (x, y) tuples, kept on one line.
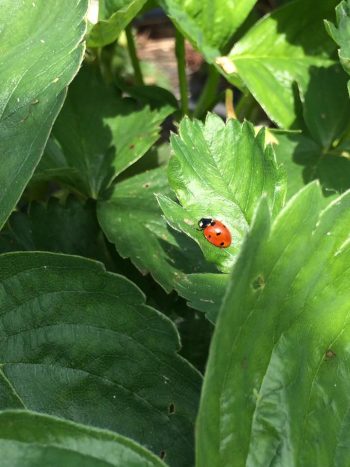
[(162, 454), (258, 283), (146, 185), (329, 354), (131, 146), (171, 408)]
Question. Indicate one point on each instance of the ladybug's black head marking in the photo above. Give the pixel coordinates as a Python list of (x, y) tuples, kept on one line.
[(205, 222)]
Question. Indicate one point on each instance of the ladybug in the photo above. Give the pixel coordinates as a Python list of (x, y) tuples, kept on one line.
[(215, 232)]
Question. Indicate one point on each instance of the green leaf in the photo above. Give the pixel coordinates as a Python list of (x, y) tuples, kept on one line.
[(321, 151), (80, 343), (208, 25), (326, 109), (220, 171), (70, 228), (30, 439), (279, 51), (38, 62), (132, 220), (106, 31), (341, 33), (204, 292), (277, 382), (100, 134), (298, 154)]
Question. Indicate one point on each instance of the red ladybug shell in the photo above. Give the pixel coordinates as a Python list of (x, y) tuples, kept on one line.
[(215, 232)]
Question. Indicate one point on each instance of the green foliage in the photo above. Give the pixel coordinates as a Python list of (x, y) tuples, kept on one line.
[(69, 227), (209, 24), (321, 150), (100, 135), (118, 15), (30, 439), (277, 377), (132, 220), (111, 298), (279, 51), (221, 176), (33, 85), (88, 334), (341, 33)]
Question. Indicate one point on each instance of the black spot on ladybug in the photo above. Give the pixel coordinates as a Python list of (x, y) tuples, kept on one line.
[(258, 283), (162, 454), (171, 408), (212, 223), (209, 236), (218, 233), (222, 243)]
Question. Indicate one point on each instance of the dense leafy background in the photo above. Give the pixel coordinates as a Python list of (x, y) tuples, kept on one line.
[(99, 135), (90, 173)]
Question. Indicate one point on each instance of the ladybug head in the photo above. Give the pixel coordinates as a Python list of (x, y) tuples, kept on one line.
[(205, 222)]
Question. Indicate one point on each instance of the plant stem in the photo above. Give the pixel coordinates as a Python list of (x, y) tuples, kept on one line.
[(181, 70), (230, 109), (208, 95), (133, 56)]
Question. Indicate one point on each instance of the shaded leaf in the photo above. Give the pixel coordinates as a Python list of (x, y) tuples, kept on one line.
[(38, 62), (279, 51), (277, 383), (30, 439), (220, 171), (100, 134), (321, 151), (80, 343), (70, 228), (326, 109), (208, 25)]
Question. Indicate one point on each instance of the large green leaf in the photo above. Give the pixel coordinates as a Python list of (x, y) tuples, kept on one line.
[(321, 151), (209, 24), (119, 14), (29, 439), (279, 51), (132, 220), (341, 33), (41, 50), (277, 387), (100, 134), (220, 171), (80, 343)]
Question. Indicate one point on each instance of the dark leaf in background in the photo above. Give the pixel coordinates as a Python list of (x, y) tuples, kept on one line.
[(100, 135)]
